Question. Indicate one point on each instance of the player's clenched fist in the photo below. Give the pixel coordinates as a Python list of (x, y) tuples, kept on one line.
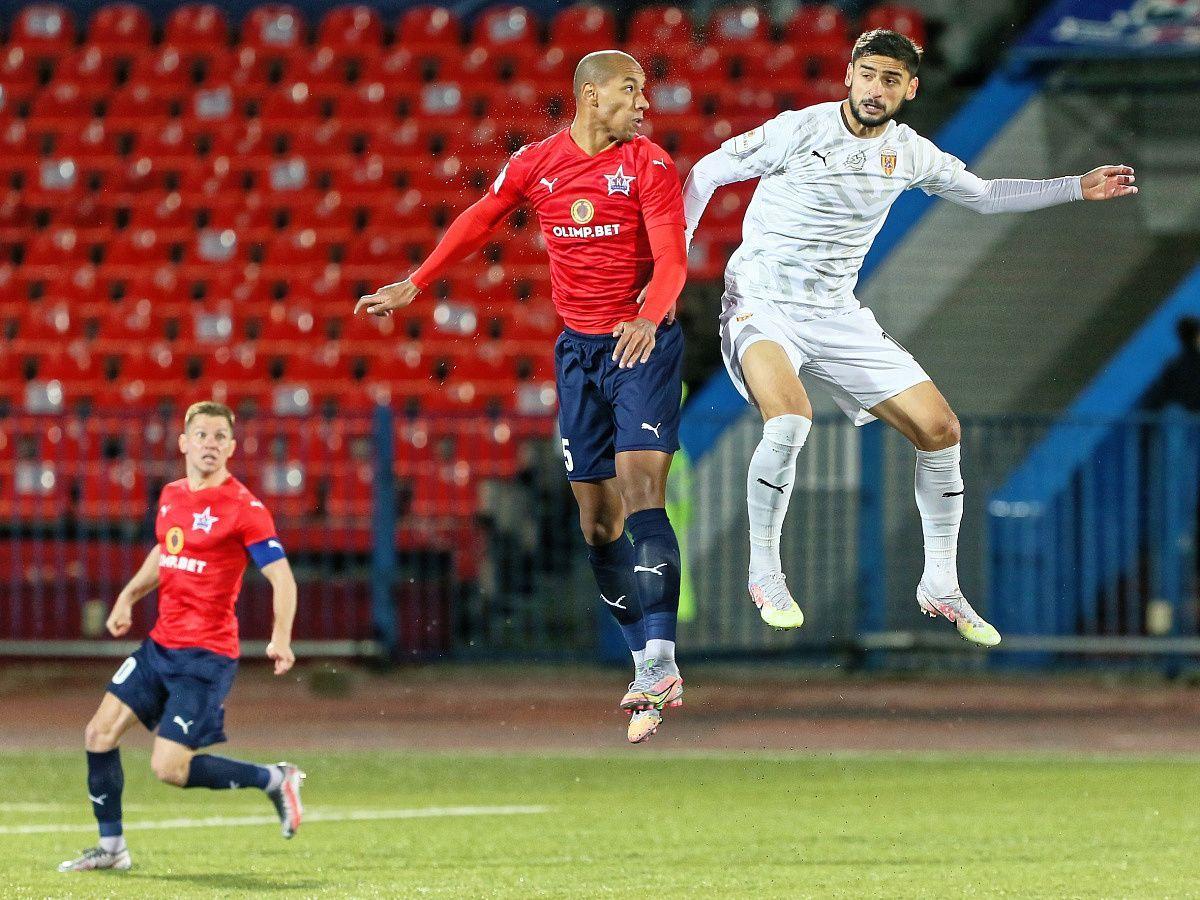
[(120, 619), (635, 340), (387, 298), (282, 656)]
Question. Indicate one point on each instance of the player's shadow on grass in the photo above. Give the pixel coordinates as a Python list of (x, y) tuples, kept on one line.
[(234, 881)]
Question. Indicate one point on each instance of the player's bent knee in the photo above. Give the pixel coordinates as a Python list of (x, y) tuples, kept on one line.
[(171, 769), (944, 432), (597, 533), (99, 739)]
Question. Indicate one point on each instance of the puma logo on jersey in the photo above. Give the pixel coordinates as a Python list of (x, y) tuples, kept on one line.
[(255, 504), (615, 603), (659, 162), (646, 426), (653, 570), (178, 720), (164, 509), (820, 156), (549, 183), (99, 801)]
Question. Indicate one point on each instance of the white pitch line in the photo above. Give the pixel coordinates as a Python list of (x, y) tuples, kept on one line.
[(349, 815)]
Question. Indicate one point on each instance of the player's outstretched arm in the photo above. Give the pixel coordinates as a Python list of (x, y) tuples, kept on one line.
[(283, 602), (120, 618), (1000, 195), (716, 170), (466, 234)]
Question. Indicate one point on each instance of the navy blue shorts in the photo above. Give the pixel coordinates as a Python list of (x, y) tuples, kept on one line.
[(604, 410), (184, 690)]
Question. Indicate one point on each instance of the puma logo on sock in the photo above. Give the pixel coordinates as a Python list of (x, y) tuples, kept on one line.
[(774, 487), (954, 493)]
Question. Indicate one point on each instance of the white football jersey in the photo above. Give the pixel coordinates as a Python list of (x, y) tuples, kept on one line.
[(822, 197)]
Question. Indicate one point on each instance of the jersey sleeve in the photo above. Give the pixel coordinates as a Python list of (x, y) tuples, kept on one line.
[(255, 523), (763, 150), (512, 180), (934, 170), (661, 193)]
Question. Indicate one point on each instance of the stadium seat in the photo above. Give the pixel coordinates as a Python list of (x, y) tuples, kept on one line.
[(167, 67), (139, 102), (582, 28), (903, 19), (351, 27), (63, 104), (134, 251), (274, 27), (200, 26), (120, 27), (745, 26), (93, 64), (20, 69), (818, 26), (52, 251), (429, 29), (506, 25), (19, 147), (43, 29), (660, 26), (291, 104)]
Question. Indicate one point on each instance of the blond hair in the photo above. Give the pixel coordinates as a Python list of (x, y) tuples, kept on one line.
[(207, 408)]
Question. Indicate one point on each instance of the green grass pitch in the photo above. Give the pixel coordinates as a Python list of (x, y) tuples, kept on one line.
[(632, 824)]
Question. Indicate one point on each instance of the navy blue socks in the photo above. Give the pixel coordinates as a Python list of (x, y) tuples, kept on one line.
[(219, 773), (612, 564), (106, 780), (656, 568)]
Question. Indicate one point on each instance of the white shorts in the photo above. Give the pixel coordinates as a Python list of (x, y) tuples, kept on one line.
[(856, 359)]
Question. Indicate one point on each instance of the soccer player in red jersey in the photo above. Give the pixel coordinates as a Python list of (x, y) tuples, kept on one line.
[(207, 524), (610, 208)]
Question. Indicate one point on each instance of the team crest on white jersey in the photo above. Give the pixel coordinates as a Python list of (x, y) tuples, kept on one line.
[(856, 162), (619, 182), (887, 159), (747, 141)]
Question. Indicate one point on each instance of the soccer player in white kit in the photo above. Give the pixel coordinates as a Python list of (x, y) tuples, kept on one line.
[(828, 176)]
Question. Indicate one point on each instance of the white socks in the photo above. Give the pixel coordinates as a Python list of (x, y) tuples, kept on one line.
[(939, 489), (662, 652), (113, 844), (769, 488)]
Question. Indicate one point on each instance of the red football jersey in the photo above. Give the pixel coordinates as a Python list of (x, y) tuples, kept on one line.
[(203, 536), (594, 212)]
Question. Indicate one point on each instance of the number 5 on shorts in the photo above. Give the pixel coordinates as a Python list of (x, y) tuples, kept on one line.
[(567, 455)]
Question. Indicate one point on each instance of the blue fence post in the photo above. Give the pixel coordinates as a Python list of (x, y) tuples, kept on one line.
[(872, 537), (383, 528)]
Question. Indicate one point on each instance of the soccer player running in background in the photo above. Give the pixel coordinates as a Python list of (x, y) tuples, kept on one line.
[(829, 174), (608, 201), (206, 524)]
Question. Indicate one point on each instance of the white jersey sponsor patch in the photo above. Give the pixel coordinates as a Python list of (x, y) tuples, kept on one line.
[(746, 142)]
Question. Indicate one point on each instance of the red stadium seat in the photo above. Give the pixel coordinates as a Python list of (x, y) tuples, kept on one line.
[(43, 28), (199, 26), (63, 104), (744, 24), (168, 67), (292, 104), (129, 325), (94, 219), (329, 145), (20, 148), (584, 27), (506, 25), (135, 251), (429, 28), (295, 254), (109, 490), (328, 70), (139, 102), (660, 26), (366, 104), (167, 214), (52, 252), (903, 19), (274, 27), (399, 69), (120, 26), (90, 64), (818, 26), (351, 27), (19, 68)]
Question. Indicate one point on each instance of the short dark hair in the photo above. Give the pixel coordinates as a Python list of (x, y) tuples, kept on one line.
[(891, 44)]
